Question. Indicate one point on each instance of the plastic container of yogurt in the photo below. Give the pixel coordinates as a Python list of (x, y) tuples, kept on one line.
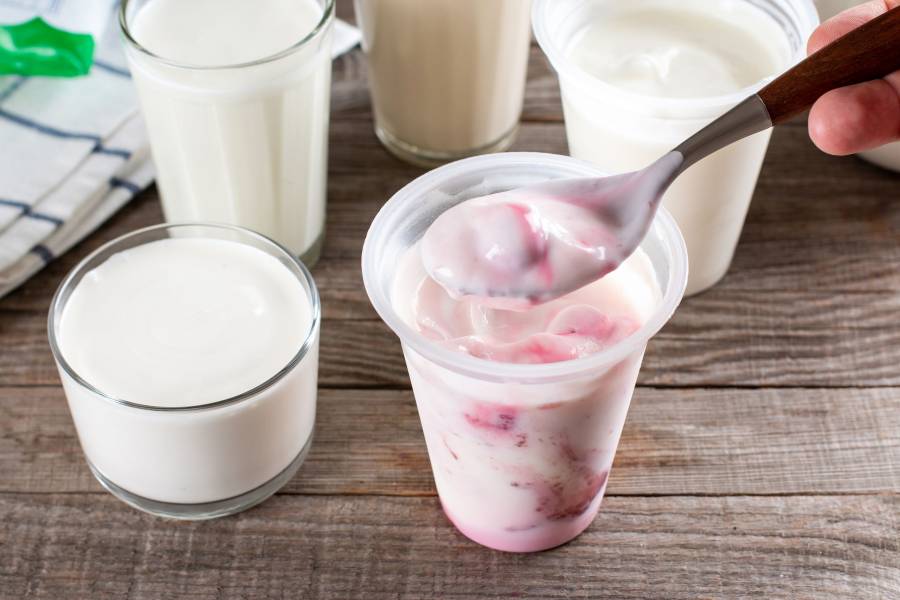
[(634, 86), (520, 453)]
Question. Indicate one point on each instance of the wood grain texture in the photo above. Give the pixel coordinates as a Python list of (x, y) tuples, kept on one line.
[(86, 546), (711, 442)]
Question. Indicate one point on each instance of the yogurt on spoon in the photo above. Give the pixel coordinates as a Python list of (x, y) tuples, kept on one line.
[(528, 246)]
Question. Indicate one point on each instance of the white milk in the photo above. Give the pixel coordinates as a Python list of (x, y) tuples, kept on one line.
[(447, 76), (637, 78), (245, 145), (181, 323)]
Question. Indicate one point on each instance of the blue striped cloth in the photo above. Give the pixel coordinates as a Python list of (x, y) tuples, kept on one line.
[(72, 151)]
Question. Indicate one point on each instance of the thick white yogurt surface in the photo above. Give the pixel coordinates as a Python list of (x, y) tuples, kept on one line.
[(182, 322), (178, 323), (649, 74), (679, 48)]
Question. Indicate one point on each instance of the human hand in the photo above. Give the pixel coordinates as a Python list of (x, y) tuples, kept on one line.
[(857, 117)]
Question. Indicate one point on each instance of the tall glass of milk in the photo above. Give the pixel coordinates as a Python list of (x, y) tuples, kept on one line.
[(447, 76), (639, 77), (236, 99), (189, 359)]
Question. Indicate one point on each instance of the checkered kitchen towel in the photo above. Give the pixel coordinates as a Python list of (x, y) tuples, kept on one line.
[(72, 151)]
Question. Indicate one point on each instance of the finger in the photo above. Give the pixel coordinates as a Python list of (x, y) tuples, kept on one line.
[(858, 117), (846, 22)]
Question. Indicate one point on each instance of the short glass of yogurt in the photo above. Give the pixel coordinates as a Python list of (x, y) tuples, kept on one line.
[(235, 96), (637, 78), (521, 410), (447, 76), (189, 358)]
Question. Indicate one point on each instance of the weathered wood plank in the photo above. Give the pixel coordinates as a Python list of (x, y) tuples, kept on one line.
[(90, 546), (675, 442)]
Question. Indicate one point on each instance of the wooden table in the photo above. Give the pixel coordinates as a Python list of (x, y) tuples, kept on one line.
[(761, 457)]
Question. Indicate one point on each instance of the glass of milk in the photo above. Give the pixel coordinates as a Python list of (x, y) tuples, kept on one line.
[(637, 78), (235, 95), (189, 359), (520, 452), (447, 76)]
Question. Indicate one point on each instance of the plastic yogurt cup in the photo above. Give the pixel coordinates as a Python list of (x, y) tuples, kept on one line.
[(189, 359), (520, 452), (632, 90)]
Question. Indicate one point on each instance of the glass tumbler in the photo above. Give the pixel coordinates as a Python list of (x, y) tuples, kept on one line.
[(204, 461), (447, 76), (244, 144)]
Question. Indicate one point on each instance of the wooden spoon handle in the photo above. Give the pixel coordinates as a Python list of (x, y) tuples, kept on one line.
[(869, 52)]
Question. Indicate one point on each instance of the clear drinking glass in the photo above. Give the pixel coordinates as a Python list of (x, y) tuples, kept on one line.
[(621, 131), (520, 453), (195, 462), (447, 76), (244, 144)]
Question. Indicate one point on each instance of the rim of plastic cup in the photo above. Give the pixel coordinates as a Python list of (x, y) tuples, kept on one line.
[(315, 302), (807, 18), (324, 21), (480, 368)]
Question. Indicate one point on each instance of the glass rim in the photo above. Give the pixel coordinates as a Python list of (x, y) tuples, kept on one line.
[(324, 21), (805, 24), (663, 223), (80, 268)]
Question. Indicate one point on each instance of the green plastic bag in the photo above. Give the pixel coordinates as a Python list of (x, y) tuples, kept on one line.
[(36, 48)]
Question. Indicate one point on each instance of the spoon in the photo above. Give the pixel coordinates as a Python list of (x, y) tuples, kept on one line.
[(531, 245)]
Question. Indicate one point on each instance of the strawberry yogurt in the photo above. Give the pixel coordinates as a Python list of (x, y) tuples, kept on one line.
[(521, 409)]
